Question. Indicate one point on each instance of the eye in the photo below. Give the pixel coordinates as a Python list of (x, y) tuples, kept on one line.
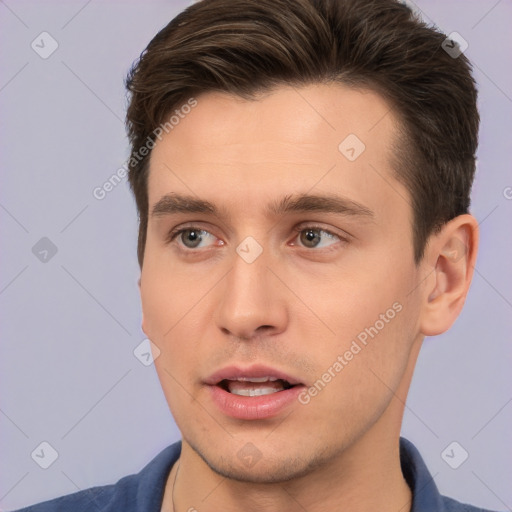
[(314, 237), (193, 238)]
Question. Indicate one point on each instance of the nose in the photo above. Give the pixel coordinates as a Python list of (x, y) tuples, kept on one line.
[(251, 301)]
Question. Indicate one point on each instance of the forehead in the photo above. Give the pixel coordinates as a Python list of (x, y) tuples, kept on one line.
[(326, 137)]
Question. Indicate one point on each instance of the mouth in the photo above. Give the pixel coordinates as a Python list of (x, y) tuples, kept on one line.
[(253, 393)]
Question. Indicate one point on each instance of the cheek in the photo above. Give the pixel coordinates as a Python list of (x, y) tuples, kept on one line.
[(356, 381), (168, 317), (173, 304), (371, 315), (169, 294), (353, 300)]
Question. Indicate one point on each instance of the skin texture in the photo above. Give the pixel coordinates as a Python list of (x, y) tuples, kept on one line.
[(295, 308)]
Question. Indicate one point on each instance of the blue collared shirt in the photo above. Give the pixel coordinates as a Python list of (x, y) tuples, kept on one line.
[(144, 491)]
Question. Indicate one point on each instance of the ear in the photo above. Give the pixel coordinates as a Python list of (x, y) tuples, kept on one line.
[(450, 259)]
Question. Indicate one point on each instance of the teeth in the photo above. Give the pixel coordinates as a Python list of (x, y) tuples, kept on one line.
[(254, 391), (252, 388), (257, 379)]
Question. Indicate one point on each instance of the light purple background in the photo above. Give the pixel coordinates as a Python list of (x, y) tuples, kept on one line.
[(69, 326)]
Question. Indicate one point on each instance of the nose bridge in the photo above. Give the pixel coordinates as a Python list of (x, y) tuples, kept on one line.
[(249, 300)]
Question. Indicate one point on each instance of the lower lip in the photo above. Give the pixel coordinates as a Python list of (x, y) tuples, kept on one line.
[(254, 407)]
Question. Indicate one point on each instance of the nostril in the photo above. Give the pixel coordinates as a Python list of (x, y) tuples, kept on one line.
[(264, 328)]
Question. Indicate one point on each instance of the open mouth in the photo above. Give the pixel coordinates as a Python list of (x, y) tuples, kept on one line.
[(251, 393), (254, 386)]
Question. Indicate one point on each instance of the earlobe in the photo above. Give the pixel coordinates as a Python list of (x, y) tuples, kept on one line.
[(452, 253)]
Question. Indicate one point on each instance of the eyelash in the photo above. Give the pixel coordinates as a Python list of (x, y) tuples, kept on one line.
[(299, 229), (313, 227)]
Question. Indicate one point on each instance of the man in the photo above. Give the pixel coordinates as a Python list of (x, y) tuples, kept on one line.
[(302, 171)]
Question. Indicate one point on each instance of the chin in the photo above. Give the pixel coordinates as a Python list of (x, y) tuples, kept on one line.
[(264, 470)]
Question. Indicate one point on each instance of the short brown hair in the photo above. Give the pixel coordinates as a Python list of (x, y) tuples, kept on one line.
[(244, 47)]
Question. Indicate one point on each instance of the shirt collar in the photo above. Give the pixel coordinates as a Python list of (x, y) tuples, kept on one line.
[(425, 495)]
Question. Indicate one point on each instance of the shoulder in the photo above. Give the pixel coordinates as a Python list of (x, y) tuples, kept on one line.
[(451, 505), (95, 498), (138, 492), (426, 496)]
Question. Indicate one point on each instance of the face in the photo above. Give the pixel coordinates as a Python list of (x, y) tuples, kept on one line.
[(278, 276)]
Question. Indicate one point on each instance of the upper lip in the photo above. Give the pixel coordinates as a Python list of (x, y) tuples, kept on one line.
[(255, 371)]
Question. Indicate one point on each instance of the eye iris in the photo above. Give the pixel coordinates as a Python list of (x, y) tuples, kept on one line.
[(191, 238), (310, 238)]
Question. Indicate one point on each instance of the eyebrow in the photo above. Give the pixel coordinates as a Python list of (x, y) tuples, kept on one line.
[(174, 203)]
